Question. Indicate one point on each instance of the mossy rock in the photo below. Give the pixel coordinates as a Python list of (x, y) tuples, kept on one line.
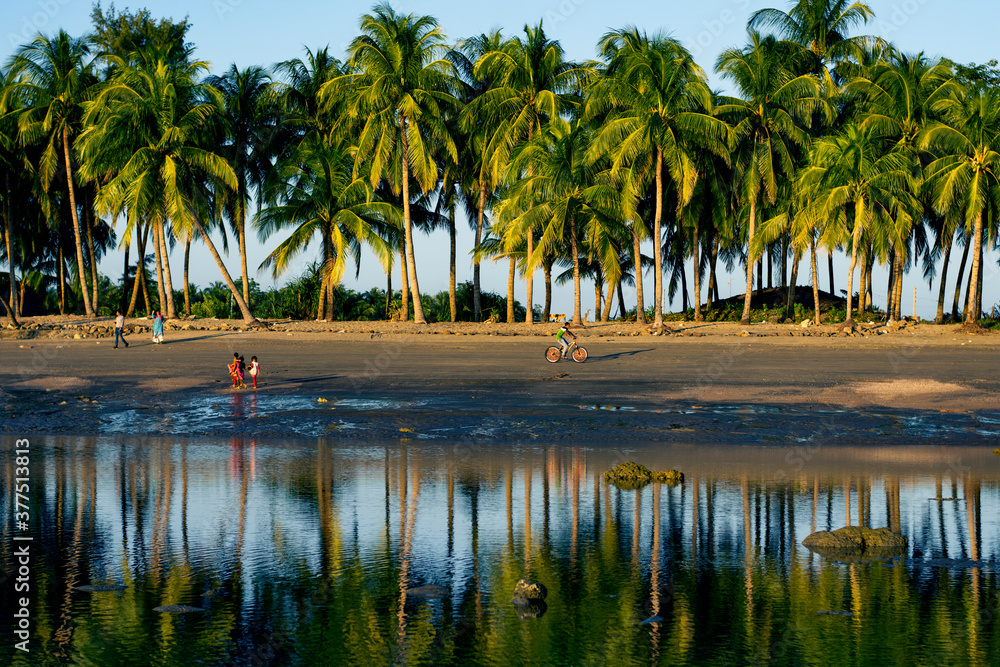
[(630, 476), (852, 542)]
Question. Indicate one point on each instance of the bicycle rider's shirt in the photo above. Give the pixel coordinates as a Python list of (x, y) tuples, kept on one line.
[(562, 332)]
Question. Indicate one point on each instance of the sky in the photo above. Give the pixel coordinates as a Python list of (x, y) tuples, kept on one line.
[(259, 32)]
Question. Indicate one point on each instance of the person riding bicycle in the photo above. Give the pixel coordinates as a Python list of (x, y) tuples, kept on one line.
[(561, 338)]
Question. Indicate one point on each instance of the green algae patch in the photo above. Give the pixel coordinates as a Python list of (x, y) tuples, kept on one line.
[(630, 475)]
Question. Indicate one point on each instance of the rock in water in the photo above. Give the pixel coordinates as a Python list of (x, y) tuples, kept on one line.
[(630, 475), (431, 591), (857, 542), (529, 589), (102, 588), (177, 609), (528, 609)]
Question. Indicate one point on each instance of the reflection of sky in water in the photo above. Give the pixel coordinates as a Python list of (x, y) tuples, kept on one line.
[(288, 516)]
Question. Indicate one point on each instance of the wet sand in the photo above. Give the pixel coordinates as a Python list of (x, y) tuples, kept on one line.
[(718, 383)]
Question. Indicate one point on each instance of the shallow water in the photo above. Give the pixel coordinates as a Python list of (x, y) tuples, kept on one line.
[(313, 552)]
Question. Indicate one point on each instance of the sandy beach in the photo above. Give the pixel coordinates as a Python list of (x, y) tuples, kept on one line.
[(704, 382)]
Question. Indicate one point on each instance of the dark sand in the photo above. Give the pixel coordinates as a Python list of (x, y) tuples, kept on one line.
[(709, 383)]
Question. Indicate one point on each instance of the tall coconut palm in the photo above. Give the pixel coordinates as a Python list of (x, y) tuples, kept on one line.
[(856, 178), (11, 160), (562, 198), (157, 113), (654, 99), (398, 91), (474, 132), (315, 194), (966, 173), (53, 77), (248, 122), (768, 122), (532, 83), (821, 26)]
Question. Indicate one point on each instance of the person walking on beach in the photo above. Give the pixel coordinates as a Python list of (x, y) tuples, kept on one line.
[(241, 372), (254, 369), (561, 338), (157, 328), (234, 369), (120, 328)]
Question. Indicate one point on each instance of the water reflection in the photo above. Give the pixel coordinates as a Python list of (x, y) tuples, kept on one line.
[(313, 553)]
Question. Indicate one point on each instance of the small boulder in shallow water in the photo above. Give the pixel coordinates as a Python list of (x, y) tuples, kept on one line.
[(102, 588), (630, 475), (857, 542), (530, 590), (177, 609)]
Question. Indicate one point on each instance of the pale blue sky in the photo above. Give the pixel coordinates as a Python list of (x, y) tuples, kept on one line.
[(255, 32)]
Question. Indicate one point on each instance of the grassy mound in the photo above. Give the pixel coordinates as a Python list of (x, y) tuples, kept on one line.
[(630, 475)]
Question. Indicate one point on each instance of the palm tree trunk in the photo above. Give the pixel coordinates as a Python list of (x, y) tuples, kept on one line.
[(405, 274), (890, 291), (321, 301), (815, 277), (529, 315), (684, 291), (248, 317), (770, 282), (418, 309), (451, 275), (859, 216), (745, 318), (972, 308), (897, 299), (137, 284), (62, 279), (187, 283), (713, 286), (640, 306), (939, 316), (510, 290), (89, 219), (388, 292), (9, 241), (621, 300), (657, 240), (241, 232), (607, 302), (790, 299), (158, 254), (863, 278), (547, 273), (575, 256), (597, 298), (958, 281), (829, 259), (125, 288), (477, 306), (696, 261), (168, 285), (88, 308)]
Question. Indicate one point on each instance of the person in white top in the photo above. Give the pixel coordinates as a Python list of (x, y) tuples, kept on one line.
[(120, 328), (254, 369)]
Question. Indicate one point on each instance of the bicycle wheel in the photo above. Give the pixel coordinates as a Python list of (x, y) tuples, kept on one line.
[(553, 354), (580, 355)]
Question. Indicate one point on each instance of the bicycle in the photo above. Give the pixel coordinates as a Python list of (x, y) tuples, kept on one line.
[(574, 352)]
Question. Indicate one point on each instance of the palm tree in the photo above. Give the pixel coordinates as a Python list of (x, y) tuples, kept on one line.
[(655, 100), (156, 113), (966, 173), (52, 80), (562, 198), (315, 193), (821, 26), (474, 132), (398, 93), (531, 84), (768, 125), (248, 122), (855, 178)]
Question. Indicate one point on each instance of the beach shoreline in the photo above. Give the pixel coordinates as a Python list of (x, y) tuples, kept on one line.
[(702, 382)]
